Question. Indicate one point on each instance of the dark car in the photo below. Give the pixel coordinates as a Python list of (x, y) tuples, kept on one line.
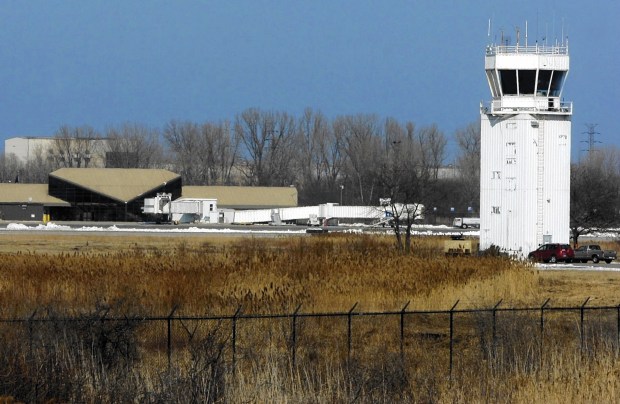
[(553, 252)]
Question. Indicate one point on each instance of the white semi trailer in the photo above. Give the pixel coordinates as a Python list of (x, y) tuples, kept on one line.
[(465, 222)]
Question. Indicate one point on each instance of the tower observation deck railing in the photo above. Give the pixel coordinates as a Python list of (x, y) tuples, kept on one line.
[(493, 50), (495, 107)]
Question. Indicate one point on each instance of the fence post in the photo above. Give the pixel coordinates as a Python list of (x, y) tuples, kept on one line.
[(618, 329), (494, 341), (30, 331), (402, 331), (452, 335), (234, 338), (542, 329), (349, 315), (294, 336), (169, 347), (31, 350), (30, 336), (582, 333)]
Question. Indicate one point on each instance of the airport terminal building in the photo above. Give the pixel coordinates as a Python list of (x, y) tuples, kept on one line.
[(117, 194)]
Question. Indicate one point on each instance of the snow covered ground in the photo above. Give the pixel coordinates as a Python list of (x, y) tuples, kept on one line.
[(114, 228), (420, 230), (613, 267)]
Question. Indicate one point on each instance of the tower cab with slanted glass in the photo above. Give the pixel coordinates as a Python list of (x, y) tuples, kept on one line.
[(527, 78), (525, 148)]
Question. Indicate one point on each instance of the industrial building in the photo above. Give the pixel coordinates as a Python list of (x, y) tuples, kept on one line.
[(525, 148), (70, 152)]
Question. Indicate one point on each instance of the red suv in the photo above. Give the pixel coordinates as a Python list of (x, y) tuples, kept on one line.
[(553, 252)]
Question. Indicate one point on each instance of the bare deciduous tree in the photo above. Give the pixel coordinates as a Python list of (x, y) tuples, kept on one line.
[(183, 138), (9, 167), (133, 146), (268, 140), (37, 169), (217, 153), (468, 163), (75, 147), (408, 174), (320, 158), (594, 193), (359, 135), (283, 151)]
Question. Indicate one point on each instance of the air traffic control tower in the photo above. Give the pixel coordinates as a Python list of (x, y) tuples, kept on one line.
[(525, 148)]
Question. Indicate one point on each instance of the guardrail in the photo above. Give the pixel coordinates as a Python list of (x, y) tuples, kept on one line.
[(496, 108), (493, 50)]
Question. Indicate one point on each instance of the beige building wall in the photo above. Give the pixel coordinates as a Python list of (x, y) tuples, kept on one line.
[(28, 148)]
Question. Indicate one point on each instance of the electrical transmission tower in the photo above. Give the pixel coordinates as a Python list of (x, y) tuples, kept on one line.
[(591, 132)]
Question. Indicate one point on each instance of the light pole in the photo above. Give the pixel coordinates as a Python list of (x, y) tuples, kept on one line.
[(341, 189), (87, 158)]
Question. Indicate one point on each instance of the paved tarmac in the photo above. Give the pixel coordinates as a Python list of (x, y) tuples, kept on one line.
[(204, 228)]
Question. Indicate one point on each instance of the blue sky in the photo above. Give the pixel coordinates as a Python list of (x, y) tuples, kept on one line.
[(102, 63)]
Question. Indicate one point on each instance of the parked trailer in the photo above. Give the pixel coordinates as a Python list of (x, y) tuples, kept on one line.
[(251, 216)]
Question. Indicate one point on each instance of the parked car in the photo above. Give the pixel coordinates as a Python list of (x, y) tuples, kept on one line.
[(594, 253), (552, 252)]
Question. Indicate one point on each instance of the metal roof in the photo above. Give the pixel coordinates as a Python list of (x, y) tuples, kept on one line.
[(122, 184), (28, 193), (244, 197)]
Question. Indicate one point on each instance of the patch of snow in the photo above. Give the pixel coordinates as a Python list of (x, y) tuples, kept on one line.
[(576, 267), (17, 226), (54, 227)]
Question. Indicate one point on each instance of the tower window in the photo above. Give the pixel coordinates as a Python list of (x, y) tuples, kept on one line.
[(556, 83), (508, 80), (492, 79), (544, 78), (527, 79)]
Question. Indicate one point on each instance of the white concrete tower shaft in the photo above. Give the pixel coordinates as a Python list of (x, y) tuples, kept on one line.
[(525, 148)]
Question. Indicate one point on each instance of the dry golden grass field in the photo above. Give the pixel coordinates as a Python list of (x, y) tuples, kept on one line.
[(149, 275), (139, 252)]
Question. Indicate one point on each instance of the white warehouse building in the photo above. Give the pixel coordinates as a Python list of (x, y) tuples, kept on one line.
[(525, 149)]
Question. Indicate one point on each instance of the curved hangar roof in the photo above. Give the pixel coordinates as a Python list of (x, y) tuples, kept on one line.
[(121, 184)]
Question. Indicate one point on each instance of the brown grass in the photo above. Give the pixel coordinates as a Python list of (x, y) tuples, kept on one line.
[(261, 275)]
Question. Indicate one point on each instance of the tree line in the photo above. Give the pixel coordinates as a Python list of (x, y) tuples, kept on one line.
[(353, 159), (360, 159)]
